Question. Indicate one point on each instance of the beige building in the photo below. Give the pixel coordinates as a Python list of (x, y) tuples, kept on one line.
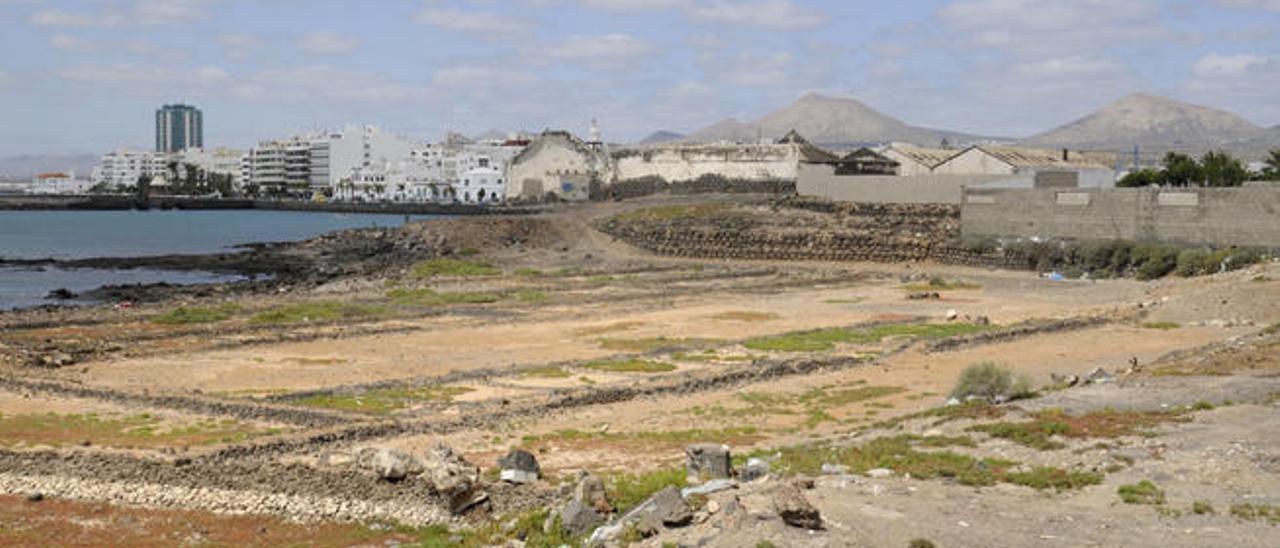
[(1092, 169), (557, 165), (916, 160)]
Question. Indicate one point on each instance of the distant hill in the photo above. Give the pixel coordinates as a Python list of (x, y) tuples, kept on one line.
[(829, 121), (26, 165), (1154, 123), (661, 136)]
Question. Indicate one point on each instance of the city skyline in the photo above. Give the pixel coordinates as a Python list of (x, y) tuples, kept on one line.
[(996, 67)]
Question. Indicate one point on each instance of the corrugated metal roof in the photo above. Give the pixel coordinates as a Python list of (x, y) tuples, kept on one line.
[(928, 157), (1042, 157)]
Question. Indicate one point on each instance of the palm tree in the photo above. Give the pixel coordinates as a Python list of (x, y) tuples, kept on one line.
[(1272, 171)]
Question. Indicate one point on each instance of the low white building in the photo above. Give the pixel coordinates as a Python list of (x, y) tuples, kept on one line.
[(1091, 169), (480, 185), (557, 164), (58, 183), (124, 167)]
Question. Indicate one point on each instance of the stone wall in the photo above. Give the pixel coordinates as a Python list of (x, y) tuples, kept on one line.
[(812, 230), (1248, 216)]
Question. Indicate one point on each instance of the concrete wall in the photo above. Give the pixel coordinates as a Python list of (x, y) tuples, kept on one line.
[(554, 167), (688, 162), (1200, 216), (819, 180)]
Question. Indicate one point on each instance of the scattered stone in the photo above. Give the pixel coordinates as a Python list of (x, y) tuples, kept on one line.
[(923, 296), (834, 469), (35, 497), (952, 314), (982, 320), (664, 508), (713, 486), (577, 518), (1098, 376), (1064, 380), (61, 294), (708, 461), (879, 473), (388, 464), (519, 466), (590, 490), (754, 470), (794, 509), (453, 478), (336, 459)]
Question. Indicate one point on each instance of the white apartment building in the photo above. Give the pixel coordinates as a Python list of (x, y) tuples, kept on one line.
[(336, 155), (278, 168), (123, 167), (58, 183)]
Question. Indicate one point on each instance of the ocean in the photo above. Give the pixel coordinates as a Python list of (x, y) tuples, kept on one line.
[(84, 234)]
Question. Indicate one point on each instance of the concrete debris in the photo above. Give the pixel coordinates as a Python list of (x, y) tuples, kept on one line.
[(879, 473), (835, 469), (519, 466), (952, 314), (794, 509), (755, 469), (713, 486), (707, 461), (1098, 376), (455, 479)]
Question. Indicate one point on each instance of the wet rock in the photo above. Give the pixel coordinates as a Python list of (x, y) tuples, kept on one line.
[(453, 478), (791, 505), (519, 466), (708, 461)]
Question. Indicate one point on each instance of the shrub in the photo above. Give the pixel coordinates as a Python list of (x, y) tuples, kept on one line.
[(1143, 492), (1154, 261), (988, 381)]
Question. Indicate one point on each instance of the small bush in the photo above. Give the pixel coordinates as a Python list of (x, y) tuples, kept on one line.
[(988, 381), (1202, 508), (195, 315), (1143, 492), (920, 543), (1154, 261), (452, 267)]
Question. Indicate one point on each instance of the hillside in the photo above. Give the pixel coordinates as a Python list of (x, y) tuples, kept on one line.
[(828, 120), (1152, 122)]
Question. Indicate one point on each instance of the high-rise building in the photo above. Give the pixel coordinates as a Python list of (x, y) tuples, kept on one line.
[(179, 127)]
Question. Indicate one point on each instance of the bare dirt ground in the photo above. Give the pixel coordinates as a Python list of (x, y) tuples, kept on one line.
[(597, 356)]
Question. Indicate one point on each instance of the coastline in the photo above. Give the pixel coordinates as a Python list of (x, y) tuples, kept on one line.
[(120, 203)]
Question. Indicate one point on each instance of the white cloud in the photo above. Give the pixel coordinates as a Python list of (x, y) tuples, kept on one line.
[(145, 74), (1075, 66), (67, 42), (327, 82), (776, 14), (1216, 64), (136, 13), (607, 47), (239, 46), (481, 77), (474, 21), (1268, 5), (1037, 28), (327, 43)]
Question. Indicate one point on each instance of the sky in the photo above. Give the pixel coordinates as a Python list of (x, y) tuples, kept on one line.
[(87, 75)]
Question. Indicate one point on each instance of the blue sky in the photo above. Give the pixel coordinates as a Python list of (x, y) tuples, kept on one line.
[(86, 75)]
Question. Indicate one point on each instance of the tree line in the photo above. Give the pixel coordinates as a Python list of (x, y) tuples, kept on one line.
[(1213, 169)]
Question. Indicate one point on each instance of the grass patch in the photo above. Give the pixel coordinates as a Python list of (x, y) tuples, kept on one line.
[(188, 315), (826, 339), (1143, 492), (531, 296), (317, 312), (383, 401), (452, 268), (744, 316), (626, 490), (816, 404), (1261, 279), (527, 272), (429, 297), (608, 328), (546, 373), (654, 344), (938, 283), (1202, 508), (712, 356), (630, 366), (136, 431), (644, 441), (1254, 512), (1161, 325), (1107, 423), (902, 454)]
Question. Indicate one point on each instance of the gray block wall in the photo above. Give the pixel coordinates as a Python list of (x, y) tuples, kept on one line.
[(820, 181), (1248, 216)]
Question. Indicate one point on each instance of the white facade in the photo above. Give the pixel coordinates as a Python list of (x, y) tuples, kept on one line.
[(336, 155), (58, 183), (480, 185), (279, 167), (123, 167), (689, 162)]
